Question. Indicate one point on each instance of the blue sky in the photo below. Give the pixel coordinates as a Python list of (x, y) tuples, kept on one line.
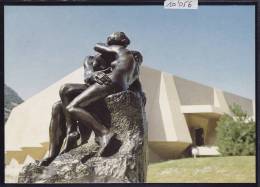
[(214, 45)]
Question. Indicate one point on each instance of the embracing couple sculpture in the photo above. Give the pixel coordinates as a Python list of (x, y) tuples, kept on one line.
[(113, 69)]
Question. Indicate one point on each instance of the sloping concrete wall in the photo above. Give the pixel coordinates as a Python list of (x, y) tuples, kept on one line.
[(28, 123), (179, 123), (200, 94), (245, 103), (151, 81)]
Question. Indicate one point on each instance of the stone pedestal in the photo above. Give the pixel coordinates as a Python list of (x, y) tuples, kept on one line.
[(124, 160)]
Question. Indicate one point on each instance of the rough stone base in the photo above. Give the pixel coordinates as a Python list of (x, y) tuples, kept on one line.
[(124, 160)]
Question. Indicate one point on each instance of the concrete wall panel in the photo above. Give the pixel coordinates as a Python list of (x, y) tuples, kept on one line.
[(179, 126), (245, 103), (192, 93)]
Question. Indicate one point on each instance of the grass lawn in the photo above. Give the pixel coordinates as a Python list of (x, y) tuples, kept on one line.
[(236, 169)]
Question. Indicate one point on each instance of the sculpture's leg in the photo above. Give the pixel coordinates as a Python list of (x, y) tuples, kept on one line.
[(57, 133), (89, 96), (85, 133), (103, 134), (67, 93)]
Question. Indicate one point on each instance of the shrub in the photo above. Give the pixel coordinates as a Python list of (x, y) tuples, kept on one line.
[(236, 134)]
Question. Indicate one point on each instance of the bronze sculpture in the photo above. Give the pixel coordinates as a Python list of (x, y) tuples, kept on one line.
[(113, 70), (111, 104)]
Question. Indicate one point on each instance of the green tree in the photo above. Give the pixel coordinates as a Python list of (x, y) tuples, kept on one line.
[(236, 134)]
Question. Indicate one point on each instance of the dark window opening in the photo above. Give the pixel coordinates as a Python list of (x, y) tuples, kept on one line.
[(199, 136)]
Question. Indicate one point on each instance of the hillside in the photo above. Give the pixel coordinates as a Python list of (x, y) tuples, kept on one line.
[(233, 169), (12, 99)]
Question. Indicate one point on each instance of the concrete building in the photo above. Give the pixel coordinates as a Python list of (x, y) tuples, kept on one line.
[(180, 113)]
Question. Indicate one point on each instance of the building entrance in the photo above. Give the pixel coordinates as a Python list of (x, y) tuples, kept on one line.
[(199, 136)]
